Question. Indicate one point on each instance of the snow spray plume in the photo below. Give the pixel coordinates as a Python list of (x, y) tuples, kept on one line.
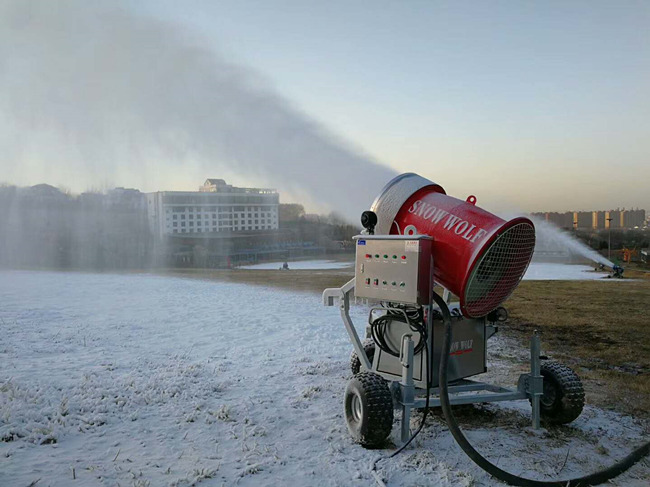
[(553, 242), (91, 92)]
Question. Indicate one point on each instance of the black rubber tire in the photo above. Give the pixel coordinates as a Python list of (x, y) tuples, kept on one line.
[(355, 362), (564, 396), (368, 409)]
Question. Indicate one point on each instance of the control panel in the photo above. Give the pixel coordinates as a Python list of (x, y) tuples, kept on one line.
[(394, 268)]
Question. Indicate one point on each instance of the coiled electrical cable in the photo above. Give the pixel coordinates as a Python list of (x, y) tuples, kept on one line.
[(379, 326), (592, 479)]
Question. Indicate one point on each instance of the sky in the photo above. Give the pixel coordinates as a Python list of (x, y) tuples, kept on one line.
[(531, 106)]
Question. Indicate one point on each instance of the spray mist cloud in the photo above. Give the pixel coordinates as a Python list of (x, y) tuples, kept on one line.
[(91, 91)]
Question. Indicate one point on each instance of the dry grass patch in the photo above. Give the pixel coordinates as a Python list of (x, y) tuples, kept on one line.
[(600, 327)]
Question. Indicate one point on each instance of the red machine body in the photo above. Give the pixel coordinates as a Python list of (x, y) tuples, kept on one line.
[(478, 256)]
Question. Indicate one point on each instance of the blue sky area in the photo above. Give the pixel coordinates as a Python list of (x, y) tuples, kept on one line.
[(529, 105), (545, 102)]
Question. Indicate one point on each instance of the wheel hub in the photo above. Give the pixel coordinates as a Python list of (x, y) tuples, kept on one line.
[(548, 398), (357, 408)]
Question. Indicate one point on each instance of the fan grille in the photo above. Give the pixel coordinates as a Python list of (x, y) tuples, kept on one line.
[(499, 270)]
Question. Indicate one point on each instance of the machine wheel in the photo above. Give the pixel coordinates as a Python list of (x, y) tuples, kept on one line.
[(355, 362), (368, 409), (563, 397)]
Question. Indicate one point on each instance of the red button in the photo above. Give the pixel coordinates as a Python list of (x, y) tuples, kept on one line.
[(403, 257), (368, 256)]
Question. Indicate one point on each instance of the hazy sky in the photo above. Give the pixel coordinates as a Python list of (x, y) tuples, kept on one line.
[(528, 105), (541, 104)]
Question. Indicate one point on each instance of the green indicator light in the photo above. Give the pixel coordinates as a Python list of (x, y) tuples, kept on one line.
[(385, 256), (376, 256), (384, 282), (402, 284), (394, 257), (393, 283)]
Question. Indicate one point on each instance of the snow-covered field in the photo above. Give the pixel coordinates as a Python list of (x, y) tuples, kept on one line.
[(543, 271), (148, 380), (302, 264)]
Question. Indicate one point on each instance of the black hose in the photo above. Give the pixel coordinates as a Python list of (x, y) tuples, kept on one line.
[(592, 479)]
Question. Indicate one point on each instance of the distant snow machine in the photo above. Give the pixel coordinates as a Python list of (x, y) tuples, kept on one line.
[(617, 272), (418, 345)]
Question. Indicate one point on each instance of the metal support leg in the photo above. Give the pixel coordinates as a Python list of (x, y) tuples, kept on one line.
[(407, 385), (344, 307), (536, 379)]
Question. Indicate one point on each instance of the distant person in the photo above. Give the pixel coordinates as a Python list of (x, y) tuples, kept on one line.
[(285, 266)]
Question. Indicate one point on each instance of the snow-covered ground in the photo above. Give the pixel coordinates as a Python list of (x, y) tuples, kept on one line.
[(302, 264), (149, 381), (542, 271)]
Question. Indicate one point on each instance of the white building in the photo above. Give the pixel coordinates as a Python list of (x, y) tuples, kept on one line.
[(213, 210)]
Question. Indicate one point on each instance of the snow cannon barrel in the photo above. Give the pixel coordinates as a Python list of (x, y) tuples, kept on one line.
[(478, 256)]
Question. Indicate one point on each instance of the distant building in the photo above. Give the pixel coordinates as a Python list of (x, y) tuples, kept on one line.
[(42, 226), (216, 209), (583, 219), (634, 218), (125, 199), (598, 220), (561, 220), (614, 219)]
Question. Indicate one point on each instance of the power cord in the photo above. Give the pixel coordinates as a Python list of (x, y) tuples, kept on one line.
[(592, 479), (424, 340)]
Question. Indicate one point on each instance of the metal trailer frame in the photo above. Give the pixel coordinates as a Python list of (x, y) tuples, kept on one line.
[(529, 385)]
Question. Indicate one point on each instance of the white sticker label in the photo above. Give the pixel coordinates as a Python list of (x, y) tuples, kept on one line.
[(412, 246)]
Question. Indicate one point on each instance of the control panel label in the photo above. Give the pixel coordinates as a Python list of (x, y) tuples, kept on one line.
[(361, 242), (412, 245)]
